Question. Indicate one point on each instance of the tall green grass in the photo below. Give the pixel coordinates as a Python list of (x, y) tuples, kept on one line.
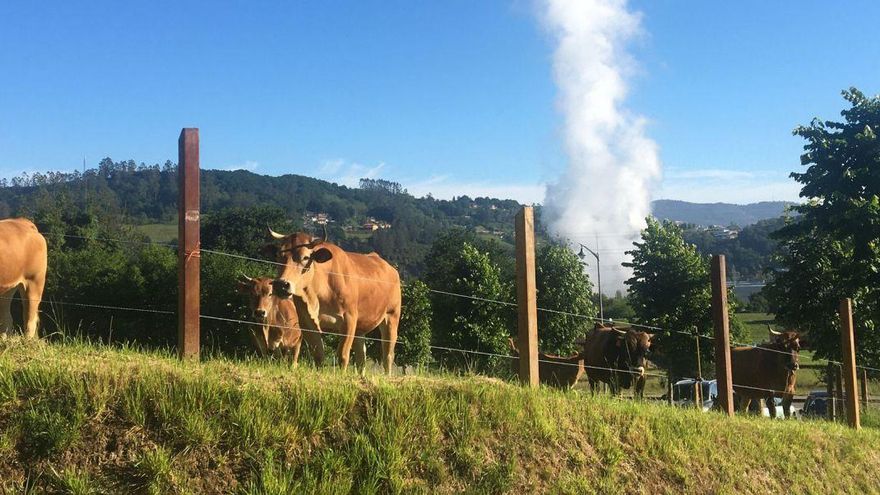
[(77, 418)]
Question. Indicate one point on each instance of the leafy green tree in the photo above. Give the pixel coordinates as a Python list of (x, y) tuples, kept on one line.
[(617, 308), (671, 289), (414, 336), (477, 323), (562, 286), (243, 230), (833, 249)]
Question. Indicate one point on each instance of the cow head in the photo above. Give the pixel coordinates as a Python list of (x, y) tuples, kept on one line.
[(789, 343), (259, 294), (296, 255), (631, 348)]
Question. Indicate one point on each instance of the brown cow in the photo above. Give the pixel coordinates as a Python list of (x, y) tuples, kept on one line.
[(616, 357), (23, 268), (555, 371), (757, 372), (280, 332), (349, 293)]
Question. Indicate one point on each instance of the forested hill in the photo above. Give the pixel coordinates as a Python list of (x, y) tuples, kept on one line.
[(724, 214), (379, 215)]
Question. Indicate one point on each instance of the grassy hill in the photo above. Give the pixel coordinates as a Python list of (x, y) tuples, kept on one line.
[(82, 419)]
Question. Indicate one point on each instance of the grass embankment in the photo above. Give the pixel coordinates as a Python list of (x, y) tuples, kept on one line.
[(80, 419)]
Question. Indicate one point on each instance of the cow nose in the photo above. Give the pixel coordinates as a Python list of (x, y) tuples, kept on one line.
[(260, 313), (281, 286)]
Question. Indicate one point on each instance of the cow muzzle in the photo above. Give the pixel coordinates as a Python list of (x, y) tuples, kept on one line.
[(794, 367), (260, 314), (639, 369), (282, 288)]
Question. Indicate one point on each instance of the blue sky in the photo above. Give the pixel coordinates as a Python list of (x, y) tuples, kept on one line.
[(450, 97)]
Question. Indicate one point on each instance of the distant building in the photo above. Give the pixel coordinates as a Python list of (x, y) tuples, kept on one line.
[(372, 225)]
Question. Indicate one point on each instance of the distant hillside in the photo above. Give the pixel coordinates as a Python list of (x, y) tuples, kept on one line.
[(717, 213)]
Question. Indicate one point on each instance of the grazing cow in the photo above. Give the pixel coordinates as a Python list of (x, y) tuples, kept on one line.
[(555, 371), (623, 351), (23, 261), (769, 367), (349, 293), (280, 332)]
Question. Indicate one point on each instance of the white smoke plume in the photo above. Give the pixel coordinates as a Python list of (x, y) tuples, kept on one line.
[(604, 194)]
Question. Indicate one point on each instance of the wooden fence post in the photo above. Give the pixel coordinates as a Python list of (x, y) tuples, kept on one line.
[(670, 389), (722, 335), (526, 297), (848, 355), (188, 244), (831, 407), (865, 388)]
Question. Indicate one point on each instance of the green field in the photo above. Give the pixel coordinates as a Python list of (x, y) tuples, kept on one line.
[(81, 419), (159, 232)]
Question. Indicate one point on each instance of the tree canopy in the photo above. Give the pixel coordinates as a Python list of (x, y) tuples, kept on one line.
[(833, 249)]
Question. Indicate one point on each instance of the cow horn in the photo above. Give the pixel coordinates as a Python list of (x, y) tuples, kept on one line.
[(773, 332), (621, 332), (244, 278), (275, 235)]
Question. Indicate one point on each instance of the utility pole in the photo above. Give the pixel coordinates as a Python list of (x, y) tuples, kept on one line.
[(583, 255)]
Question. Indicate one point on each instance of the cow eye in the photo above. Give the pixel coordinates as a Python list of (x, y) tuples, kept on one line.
[(305, 259)]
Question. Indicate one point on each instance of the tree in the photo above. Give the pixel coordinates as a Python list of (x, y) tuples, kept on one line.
[(243, 230), (562, 286), (671, 289), (414, 337), (475, 323), (833, 249)]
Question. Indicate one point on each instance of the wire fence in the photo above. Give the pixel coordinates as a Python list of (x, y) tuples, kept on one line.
[(433, 347)]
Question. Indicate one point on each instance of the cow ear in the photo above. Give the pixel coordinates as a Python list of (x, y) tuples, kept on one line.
[(322, 255), (269, 251), (243, 287)]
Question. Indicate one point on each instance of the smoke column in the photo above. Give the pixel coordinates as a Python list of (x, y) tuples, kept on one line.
[(604, 194)]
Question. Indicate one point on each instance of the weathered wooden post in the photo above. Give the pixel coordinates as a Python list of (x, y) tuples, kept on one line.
[(188, 244), (698, 382), (865, 388), (670, 389), (831, 407), (840, 409), (722, 335), (848, 355), (526, 296)]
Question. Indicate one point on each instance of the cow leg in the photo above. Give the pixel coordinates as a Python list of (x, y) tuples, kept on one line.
[(360, 354), (389, 338), (6, 325), (294, 355), (350, 323), (771, 406), (260, 340), (786, 405), (315, 345), (639, 389), (33, 293)]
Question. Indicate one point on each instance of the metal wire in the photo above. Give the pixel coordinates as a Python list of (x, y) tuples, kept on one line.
[(443, 348), (96, 306)]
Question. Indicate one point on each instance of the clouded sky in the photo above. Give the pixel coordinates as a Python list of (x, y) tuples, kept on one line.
[(451, 97)]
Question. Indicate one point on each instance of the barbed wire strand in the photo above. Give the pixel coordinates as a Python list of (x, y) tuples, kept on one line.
[(444, 348), (51, 302), (495, 301)]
